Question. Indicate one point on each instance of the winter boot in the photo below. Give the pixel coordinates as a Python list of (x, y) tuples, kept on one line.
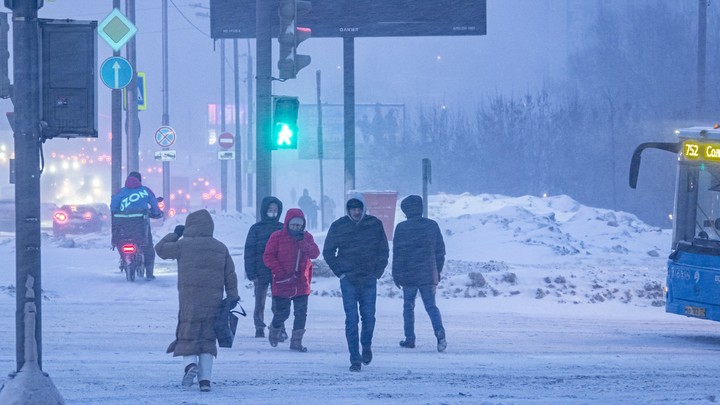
[(274, 335), (366, 355), (355, 367), (259, 332), (204, 385), (296, 340), (191, 371), (441, 342), (407, 343)]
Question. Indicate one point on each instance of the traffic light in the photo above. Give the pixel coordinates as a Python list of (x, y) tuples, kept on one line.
[(285, 129), (290, 36)]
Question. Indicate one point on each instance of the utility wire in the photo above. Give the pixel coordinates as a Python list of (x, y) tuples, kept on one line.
[(188, 20)]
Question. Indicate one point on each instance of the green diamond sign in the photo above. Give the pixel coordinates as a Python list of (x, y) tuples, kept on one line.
[(116, 29)]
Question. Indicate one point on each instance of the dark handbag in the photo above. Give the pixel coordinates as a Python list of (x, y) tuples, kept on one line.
[(226, 323)]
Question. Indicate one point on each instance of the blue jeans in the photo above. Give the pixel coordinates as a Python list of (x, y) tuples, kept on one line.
[(362, 296), (427, 292)]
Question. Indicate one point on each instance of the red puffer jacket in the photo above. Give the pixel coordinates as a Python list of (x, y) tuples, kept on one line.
[(289, 259)]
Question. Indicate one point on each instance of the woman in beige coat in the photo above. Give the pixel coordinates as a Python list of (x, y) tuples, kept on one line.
[(205, 270)]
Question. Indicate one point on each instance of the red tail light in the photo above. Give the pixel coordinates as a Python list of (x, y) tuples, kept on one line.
[(128, 248), (172, 212), (218, 196), (60, 217), (88, 215)]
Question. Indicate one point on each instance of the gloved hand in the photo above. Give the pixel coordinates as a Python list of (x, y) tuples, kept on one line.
[(233, 302), (179, 230), (297, 235)]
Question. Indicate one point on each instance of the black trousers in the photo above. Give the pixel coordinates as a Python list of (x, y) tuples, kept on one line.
[(281, 311)]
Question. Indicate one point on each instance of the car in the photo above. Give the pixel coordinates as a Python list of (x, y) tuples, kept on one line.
[(81, 218)]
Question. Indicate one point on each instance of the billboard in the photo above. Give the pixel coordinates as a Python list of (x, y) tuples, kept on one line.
[(360, 18), (374, 124)]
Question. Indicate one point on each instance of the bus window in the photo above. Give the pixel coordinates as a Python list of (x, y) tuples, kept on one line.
[(707, 218)]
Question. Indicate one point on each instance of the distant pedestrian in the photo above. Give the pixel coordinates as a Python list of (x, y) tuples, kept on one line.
[(418, 259), (205, 271), (288, 255), (356, 249), (255, 269), (310, 208), (328, 211)]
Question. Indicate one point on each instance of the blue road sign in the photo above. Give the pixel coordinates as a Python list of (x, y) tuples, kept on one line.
[(116, 72), (165, 136)]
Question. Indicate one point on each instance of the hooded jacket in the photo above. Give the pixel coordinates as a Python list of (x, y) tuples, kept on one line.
[(418, 247), (135, 198), (356, 250), (289, 259), (257, 238), (205, 270)]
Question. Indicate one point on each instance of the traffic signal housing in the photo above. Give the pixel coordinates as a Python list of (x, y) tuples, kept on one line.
[(285, 128), (290, 36)]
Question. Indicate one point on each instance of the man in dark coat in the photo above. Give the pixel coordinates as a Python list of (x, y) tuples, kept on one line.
[(289, 254), (418, 259), (205, 271), (255, 270), (356, 249)]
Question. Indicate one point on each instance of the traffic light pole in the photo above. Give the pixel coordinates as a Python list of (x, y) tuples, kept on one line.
[(28, 384), (263, 156), (249, 132), (349, 107)]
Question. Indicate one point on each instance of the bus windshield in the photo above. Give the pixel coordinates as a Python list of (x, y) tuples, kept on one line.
[(707, 216)]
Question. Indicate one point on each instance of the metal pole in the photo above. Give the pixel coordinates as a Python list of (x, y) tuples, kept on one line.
[(250, 167), (702, 38), (223, 163), (116, 127), (349, 107), (263, 176), (28, 295), (320, 151), (132, 123), (166, 102), (238, 144), (426, 178)]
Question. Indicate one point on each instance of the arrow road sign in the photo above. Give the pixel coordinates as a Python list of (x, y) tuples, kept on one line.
[(226, 140), (165, 136), (116, 72)]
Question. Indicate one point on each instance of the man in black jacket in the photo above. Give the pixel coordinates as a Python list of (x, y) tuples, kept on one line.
[(418, 259), (255, 269), (356, 249)]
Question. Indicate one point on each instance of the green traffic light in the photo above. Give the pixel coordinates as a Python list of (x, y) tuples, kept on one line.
[(285, 136)]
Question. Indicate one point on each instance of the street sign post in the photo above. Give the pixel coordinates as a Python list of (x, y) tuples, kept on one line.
[(116, 29), (116, 72), (165, 136), (226, 140)]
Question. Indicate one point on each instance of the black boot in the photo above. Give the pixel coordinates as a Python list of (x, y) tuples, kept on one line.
[(441, 342), (366, 355), (407, 343), (259, 332), (296, 340), (274, 335)]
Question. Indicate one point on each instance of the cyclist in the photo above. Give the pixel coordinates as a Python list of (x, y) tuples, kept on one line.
[(137, 201)]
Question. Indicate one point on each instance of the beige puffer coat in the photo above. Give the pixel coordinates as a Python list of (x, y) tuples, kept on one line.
[(205, 270)]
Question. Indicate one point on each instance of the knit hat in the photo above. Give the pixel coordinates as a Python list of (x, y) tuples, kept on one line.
[(354, 203)]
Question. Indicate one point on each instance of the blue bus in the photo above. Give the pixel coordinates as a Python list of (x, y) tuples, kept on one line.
[(693, 276)]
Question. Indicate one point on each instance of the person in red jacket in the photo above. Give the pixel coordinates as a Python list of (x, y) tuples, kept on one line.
[(288, 255)]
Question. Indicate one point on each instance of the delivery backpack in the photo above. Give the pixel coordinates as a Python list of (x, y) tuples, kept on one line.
[(226, 323)]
